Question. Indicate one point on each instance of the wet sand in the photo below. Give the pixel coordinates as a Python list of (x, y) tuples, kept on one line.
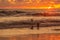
[(33, 37), (24, 31)]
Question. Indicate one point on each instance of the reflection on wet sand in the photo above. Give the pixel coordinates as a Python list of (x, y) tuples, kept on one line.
[(33, 37)]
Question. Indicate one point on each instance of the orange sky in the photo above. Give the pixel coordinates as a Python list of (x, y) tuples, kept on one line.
[(30, 4)]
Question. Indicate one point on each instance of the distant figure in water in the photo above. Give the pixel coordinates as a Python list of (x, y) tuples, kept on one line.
[(33, 26), (38, 26), (32, 23)]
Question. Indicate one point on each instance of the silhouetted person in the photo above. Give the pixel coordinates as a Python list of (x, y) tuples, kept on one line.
[(32, 23), (38, 26)]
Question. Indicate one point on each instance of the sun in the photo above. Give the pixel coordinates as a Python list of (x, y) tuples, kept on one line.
[(49, 7)]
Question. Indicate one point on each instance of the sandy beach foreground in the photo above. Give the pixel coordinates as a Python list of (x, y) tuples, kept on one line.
[(25, 31), (28, 34)]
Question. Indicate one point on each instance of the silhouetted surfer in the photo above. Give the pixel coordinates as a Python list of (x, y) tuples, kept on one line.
[(33, 26), (38, 26), (32, 23)]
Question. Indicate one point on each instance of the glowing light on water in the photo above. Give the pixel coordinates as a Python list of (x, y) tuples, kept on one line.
[(57, 6), (12, 1)]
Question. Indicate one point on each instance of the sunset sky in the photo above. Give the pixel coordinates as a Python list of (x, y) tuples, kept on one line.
[(30, 4)]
